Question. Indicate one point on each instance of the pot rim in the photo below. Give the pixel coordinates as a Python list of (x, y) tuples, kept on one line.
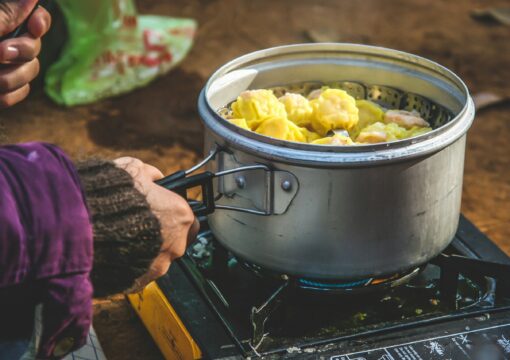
[(310, 154)]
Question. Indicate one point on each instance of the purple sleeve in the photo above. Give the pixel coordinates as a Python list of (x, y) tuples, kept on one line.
[(67, 315), (46, 236)]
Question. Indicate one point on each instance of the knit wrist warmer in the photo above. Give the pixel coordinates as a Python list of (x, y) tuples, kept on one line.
[(127, 235)]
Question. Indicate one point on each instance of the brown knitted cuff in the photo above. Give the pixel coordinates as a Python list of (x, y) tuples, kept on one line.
[(127, 235)]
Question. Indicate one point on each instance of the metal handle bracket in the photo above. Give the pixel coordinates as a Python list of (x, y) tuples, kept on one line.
[(267, 193)]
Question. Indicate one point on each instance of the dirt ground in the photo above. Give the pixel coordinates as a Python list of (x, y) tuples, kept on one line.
[(160, 124)]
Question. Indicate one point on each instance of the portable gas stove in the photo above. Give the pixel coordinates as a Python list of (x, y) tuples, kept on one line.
[(212, 305)]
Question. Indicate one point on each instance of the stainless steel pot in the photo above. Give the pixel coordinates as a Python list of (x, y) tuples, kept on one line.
[(338, 212)]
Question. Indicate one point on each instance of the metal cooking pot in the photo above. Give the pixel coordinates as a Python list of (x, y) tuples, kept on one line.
[(341, 213)]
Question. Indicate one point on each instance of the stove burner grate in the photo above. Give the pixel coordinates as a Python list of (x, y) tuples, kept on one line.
[(336, 286), (265, 313)]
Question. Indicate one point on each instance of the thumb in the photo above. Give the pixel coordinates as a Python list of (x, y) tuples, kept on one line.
[(13, 13)]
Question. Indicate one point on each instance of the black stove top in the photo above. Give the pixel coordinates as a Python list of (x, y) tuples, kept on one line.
[(456, 307)]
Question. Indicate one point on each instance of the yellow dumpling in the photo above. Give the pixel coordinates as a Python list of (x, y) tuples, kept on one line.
[(417, 131), (334, 109), (380, 132), (298, 109), (239, 122), (297, 133), (274, 126), (256, 105), (280, 128), (309, 135), (369, 113), (336, 139)]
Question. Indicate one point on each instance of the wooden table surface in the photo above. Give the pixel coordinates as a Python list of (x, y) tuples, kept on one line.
[(160, 125)]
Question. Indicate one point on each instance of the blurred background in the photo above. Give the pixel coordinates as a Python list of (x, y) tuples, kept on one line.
[(160, 125)]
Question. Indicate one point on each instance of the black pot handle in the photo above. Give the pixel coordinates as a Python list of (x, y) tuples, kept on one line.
[(279, 186), (180, 183)]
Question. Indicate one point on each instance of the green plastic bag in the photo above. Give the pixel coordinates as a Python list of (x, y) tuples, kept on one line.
[(112, 50)]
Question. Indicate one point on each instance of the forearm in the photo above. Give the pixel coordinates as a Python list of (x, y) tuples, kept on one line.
[(127, 235)]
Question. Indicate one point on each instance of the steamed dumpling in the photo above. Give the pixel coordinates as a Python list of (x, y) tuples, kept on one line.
[(334, 109), (309, 135), (240, 122), (406, 119), (256, 105), (380, 132), (336, 139), (298, 109), (369, 113), (417, 131), (281, 128)]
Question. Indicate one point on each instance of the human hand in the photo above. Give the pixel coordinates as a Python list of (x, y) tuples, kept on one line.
[(19, 55), (178, 223)]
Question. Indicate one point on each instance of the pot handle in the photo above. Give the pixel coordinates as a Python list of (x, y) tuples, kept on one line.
[(179, 182)]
